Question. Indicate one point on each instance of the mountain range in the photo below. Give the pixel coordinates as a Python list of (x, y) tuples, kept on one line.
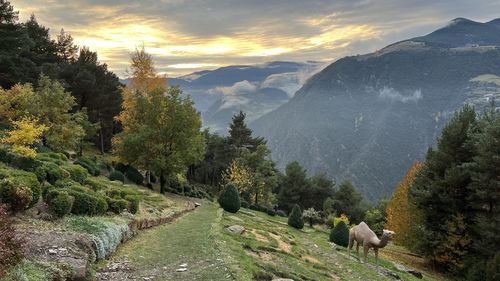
[(367, 118)]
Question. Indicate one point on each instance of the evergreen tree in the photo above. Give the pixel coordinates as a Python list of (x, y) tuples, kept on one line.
[(441, 191), (340, 234), (295, 219), (484, 196), (321, 188), (346, 200), (229, 199), (294, 186), (240, 136)]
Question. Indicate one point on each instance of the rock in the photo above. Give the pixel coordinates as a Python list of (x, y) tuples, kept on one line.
[(236, 229), (183, 265), (181, 269), (52, 252), (196, 204), (79, 267), (403, 268)]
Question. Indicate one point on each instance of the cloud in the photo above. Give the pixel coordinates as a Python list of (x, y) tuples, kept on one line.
[(224, 32), (393, 95), (239, 88)]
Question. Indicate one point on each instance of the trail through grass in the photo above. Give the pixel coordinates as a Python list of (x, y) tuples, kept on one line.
[(157, 253)]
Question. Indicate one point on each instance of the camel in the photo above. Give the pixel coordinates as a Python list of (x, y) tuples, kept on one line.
[(368, 239)]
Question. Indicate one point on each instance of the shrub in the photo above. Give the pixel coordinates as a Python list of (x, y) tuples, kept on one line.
[(18, 196), (102, 205), (152, 178), (50, 172), (116, 176), (89, 165), (271, 212), (281, 213), (312, 216), (10, 246), (254, 207), (121, 167), (60, 202), (133, 203), (117, 205), (244, 204), (340, 234), (134, 175), (95, 184), (24, 162), (76, 173), (87, 204), (229, 200), (66, 183), (29, 180), (295, 219)]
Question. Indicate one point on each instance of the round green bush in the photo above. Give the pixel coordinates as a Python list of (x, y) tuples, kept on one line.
[(49, 172), (87, 204), (76, 173), (116, 176), (26, 179), (66, 183), (295, 218), (89, 165), (340, 234), (254, 207), (60, 202), (229, 200), (24, 162), (134, 201), (102, 206), (134, 175), (117, 205), (271, 212), (95, 184), (18, 196)]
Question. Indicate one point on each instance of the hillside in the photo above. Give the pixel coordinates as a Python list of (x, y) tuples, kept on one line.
[(267, 249), (368, 118)]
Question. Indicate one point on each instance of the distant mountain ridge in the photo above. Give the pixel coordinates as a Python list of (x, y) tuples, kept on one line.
[(368, 118)]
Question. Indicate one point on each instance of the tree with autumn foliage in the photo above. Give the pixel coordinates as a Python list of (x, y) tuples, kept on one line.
[(25, 133), (402, 215), (161, 128)]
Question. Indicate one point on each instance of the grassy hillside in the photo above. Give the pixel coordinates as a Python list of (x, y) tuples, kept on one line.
[(269, 248)]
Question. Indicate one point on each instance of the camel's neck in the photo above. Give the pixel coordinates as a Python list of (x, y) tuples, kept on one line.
[(380, 243)]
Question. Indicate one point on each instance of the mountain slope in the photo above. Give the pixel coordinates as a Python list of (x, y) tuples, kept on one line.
[(368, 118)]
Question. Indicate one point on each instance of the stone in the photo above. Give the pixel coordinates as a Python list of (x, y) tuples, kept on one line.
[(183, 265), (403, 268), (236, 229), (52, 252), (196, 204), (181, 269)]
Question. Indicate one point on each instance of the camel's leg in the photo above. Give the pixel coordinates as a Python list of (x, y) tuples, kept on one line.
[(351, 243), (357, 250), (366, 248), (376, 256)]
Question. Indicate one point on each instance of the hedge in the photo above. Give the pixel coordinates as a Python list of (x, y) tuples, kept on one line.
[(89, 165), (295, 219), (229, 200), (134, 175), (340, 234), (116, 176), (76, 172), (60, 202)]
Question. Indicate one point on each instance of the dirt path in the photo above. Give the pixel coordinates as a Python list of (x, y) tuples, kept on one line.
[(158, 253)]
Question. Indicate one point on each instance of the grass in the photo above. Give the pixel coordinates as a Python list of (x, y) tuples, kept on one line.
[(159, 251), (269, 248)]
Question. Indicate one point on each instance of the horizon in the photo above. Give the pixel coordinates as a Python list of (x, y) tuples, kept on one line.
[(214, 35)]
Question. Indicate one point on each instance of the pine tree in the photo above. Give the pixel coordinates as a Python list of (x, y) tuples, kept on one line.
[(295, 219), (294, 186), (340, 234), (240, 136), (441, 191), (346, 200), (484, 195)]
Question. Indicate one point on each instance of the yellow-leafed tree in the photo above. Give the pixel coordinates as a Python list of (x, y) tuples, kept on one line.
[(240, 175), (402, 215), (25, 132)]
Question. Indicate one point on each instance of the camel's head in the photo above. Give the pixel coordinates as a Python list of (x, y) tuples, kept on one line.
[(389, 233)]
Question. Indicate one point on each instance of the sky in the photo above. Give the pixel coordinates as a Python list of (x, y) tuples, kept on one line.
[(191, 35)]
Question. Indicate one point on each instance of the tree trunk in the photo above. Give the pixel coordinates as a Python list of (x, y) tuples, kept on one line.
[(101, 138), (163, 182)]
